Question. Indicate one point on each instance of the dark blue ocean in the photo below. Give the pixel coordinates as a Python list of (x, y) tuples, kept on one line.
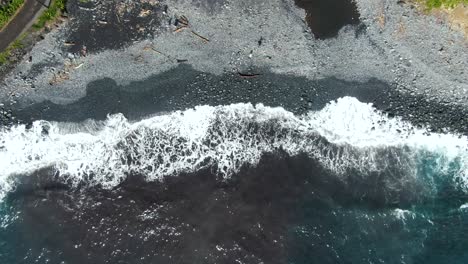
[(234, 184)]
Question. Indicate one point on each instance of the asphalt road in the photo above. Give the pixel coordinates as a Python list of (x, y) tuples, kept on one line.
[(19, 23)]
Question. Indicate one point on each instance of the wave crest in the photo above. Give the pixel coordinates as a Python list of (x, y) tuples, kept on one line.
[(345, 136)]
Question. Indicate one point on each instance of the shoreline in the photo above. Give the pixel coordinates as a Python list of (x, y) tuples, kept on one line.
[(276, 61), (168, 92)]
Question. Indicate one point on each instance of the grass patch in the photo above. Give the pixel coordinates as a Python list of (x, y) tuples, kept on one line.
[(8, 10), (5, 55), (444, 3), (55, 9)]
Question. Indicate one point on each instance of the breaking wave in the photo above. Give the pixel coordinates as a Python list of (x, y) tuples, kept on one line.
[(346, 136)]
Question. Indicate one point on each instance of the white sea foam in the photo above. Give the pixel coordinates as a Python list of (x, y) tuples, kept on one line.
[(230, 136), (403, 215)]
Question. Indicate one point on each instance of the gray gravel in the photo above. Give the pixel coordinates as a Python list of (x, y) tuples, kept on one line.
[(416, 53)]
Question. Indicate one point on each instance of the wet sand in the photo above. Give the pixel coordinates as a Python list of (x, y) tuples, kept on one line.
[(169, 91)]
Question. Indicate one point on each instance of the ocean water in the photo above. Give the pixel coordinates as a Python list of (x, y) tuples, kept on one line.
[(236, 183)]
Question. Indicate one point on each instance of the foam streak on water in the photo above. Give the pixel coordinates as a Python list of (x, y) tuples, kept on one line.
[(346, 134)]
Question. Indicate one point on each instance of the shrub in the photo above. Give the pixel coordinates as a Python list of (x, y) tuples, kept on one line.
[(56, 7)]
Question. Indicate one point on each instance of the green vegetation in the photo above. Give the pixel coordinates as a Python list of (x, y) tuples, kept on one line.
[(4, 56), (8, 10), (445, 3), (55, 9)]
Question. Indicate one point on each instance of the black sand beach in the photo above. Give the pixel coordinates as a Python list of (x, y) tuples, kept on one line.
[(128, 135)]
